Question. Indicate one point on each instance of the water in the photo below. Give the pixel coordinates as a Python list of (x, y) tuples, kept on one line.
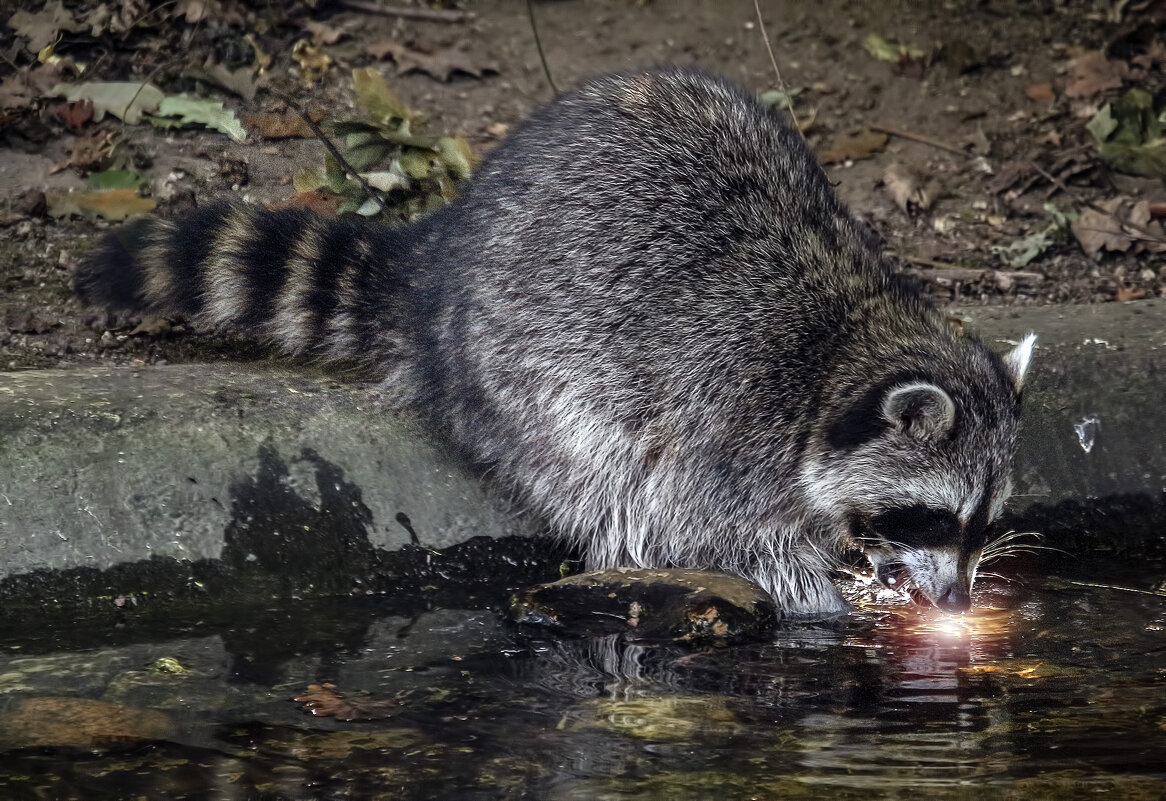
[(1058, 692)]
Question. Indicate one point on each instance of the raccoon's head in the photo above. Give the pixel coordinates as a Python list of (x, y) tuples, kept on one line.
[(915, 466)]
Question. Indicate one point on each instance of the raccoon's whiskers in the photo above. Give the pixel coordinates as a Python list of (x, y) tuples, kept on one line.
[(1000, 576), (1007, 545), (1011, 536)]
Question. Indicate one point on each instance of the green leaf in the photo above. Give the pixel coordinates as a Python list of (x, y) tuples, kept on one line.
[(124, 100), (367, 149), (353, 125), (1024, 251), (403, 136), (369, 208), (308, 180), (375, 97), (885, 50), (416, 163), (779, 99), (1133, 143), (1148, 160), (115, 179), (1060, 220), (335, 179), (455, 153), (1137, 122), (1102, 125), (202, 112), (388, 180)]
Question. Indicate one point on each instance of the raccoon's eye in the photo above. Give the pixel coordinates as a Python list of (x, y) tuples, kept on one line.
[(918, 526)]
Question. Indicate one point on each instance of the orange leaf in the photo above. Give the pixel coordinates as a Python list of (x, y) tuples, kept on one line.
[(1126, 293), (1040, 92), (115, 204)]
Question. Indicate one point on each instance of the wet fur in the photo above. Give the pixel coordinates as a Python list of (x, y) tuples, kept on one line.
[(648, 313)]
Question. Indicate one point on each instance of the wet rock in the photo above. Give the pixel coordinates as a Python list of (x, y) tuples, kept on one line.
[(659, 718), (676, 605), (79, 723)]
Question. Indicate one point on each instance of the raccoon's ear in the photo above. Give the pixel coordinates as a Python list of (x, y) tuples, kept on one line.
[(920, 409), (1017, 360)]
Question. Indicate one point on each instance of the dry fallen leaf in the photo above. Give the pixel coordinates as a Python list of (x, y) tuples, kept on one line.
[(1127, 293), (127, 100), (324, 34), (441, 64), (1092, 73), (1050, 137), (1040, 92), (324, 203), (193, 10), (1100, 229), (16, 93), (242, 81), (313, 61), (114, 204), (42, 28), (26, 85), (324, 700), (152, 326), (118, 17), (91, 150), (76, 114), (853, 147), (281, 126), (907, 187)]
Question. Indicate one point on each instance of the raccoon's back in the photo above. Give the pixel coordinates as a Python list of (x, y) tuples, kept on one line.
[(655, 235)]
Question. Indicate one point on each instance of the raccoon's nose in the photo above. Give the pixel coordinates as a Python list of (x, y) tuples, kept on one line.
[(955, 599)]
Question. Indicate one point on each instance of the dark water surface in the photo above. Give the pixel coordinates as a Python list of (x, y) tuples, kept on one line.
[(1061, 696)]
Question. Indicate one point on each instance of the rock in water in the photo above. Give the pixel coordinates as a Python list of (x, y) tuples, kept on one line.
[(649, 604)]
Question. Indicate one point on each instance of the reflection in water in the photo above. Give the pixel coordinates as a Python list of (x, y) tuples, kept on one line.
[(1057, 695)]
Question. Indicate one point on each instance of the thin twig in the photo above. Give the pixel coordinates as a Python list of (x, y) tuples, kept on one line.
[(142, 86), (920, 138), (160, 7), (973, 274), (539, 46), (407, 12), (939, 265), (1148, 233), (789, 101), (1100, 586), (348, 168), (958, 273)]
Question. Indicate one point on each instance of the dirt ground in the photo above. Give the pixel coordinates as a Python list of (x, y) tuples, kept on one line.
[(1000, 93)]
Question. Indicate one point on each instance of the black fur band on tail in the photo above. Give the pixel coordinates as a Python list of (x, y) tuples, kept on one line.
[(152, 265), (305, 282)]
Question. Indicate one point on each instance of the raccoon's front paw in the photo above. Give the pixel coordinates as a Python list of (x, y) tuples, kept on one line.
[(824, 607), (807, 596)]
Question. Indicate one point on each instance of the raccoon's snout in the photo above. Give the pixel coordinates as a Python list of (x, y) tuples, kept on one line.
[(956, 599), (929, 578)]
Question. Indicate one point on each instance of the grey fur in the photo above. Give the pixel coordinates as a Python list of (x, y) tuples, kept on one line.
[(650, 315)]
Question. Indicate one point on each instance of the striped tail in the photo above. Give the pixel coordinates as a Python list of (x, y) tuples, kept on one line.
[(309, 284)]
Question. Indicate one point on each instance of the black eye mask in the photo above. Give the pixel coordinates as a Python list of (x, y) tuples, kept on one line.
[(918, 527)]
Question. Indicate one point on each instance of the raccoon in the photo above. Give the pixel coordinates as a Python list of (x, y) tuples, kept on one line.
[(650, 316)]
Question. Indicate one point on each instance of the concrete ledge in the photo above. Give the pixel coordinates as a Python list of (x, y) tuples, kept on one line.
[(1091, 467), (202, 480), (262, 481)]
